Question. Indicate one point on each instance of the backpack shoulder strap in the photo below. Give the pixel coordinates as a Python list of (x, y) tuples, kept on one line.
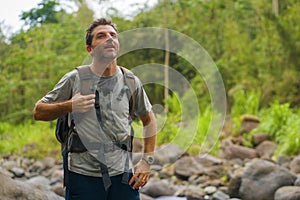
[(86, 79), (130, 81)]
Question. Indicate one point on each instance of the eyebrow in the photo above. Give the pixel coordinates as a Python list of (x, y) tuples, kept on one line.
[(104, 32)]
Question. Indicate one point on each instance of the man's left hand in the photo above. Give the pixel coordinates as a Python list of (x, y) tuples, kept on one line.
[(141, 174)]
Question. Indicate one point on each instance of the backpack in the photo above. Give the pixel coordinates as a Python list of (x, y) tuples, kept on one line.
[(65, 131)]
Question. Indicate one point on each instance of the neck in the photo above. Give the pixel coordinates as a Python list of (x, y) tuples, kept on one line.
[(104, 69)]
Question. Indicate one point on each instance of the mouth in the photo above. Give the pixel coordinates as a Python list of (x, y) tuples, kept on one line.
[(109, 47)]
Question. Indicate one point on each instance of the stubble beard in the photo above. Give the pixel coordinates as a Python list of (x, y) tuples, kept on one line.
[(104, 55)]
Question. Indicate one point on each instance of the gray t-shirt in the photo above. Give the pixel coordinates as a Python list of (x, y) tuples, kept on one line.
[(114, 115)]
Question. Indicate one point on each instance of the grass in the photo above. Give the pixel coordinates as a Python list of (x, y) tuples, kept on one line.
[(34, 140), (37, 139)]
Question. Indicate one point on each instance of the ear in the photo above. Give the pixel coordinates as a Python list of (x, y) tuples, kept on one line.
[(89, 49)]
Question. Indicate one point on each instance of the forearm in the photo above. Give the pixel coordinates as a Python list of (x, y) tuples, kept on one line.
[(149, 134), (50, 111)]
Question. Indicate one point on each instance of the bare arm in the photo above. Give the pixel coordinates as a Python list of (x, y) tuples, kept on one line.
[(149, 133), (50, 111), (142, 169)]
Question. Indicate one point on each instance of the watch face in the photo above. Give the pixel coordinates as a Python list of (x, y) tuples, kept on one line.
[(150, 159)]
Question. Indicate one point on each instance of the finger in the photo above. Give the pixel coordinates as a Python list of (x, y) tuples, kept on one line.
[(144, 183), (137, 184), (90, 96), (133, 178)]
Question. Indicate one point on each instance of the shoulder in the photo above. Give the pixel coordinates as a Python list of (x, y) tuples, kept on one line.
[(70, 76), (129, 74), (131, 79)]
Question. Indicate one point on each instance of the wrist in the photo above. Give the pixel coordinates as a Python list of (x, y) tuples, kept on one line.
[(149, 159)]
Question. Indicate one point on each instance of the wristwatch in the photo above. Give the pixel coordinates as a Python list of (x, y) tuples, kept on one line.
[(148, 159)]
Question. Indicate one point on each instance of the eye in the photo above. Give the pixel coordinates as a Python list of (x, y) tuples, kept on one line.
[(100, 36), (114, 35)]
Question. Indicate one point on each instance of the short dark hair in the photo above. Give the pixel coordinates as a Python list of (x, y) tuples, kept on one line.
[(93, 25)]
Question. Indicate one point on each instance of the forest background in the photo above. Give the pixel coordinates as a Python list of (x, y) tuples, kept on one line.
[(254, 44)]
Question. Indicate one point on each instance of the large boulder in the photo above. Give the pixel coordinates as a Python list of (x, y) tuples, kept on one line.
[(11, 189), (288, 193), (261, 179)]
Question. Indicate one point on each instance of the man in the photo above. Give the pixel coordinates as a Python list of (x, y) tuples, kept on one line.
[(102, 116)]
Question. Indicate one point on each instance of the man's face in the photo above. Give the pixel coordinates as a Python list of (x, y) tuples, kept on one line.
[(105, 43)]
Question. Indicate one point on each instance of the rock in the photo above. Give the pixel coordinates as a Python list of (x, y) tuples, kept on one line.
[(37, 167), (284, 161), (48, 162), (262, 178), (248, 123), (8, 165), (145, 197), (192, 191), (167, 171), (236, 151), (39, 181), (13, 189), (168, 153), (266, 149), (157, 188), (186, 167), (210, 189), (220, 196), (209, 160), (18, 172), (259, 138), (295, 164), (249, 118), (216, 171), (196, 180), (288, 193), (58, 189), (234, 186), (297, 182)]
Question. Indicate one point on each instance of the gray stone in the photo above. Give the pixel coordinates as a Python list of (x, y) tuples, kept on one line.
[(248, 123), (168, 153), (186, 167), (210, 189), (266, 149), (295, 164), (39, 181), (220, 196), (237, 151), (259, 138), (288, 193), (284, 161), (297, 181), (234, 186), (13, 189), (262, 178), (156, 188), (18, 172), (145, 197)]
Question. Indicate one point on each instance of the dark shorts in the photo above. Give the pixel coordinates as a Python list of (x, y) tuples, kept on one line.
[(83, 187)]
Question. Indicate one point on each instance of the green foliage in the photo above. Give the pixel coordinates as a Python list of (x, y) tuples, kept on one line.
[(244, 102), (283, 125), (45, 13), (30, 140), (169, 124), (207, 136), (251, 46)]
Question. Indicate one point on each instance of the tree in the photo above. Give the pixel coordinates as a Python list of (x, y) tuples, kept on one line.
[(46, 12)]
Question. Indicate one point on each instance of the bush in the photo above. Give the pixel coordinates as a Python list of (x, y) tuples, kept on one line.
[(283, 125), (35, 140)]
